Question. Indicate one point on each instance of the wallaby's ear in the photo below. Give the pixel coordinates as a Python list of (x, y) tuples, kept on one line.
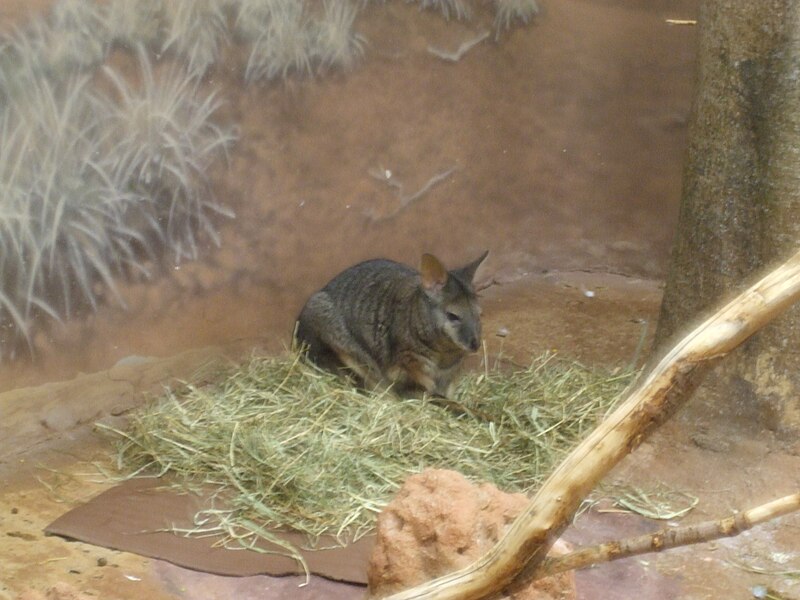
[(467, 272), (434, 275)]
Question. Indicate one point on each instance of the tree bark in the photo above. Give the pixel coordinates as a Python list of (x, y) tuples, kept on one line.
[(740, 208)]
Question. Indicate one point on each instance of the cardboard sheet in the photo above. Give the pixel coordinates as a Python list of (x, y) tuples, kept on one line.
[(134, 515)]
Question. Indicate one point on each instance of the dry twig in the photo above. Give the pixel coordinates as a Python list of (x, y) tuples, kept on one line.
[(463, 48), (386, 176), (665, 539)]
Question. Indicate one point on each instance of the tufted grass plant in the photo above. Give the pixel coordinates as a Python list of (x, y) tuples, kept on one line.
[(334, 42), (288, 39), (70, 39), (283, 45), (133, 24), (252, 17), (196, 30), (458, 9), (507, 12), (78, 34), (53, 230), (92, 186), (161, 140), (284, 445)]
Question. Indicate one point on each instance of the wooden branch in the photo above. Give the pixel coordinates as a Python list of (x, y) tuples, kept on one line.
[(656, 396), (664, 539)]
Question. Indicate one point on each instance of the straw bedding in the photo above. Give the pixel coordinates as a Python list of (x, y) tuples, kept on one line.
[(285, 445)]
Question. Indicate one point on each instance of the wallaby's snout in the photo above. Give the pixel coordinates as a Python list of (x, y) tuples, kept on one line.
[(474, 343), (471, 343), (463, 325), (474, 339), (472, 336)]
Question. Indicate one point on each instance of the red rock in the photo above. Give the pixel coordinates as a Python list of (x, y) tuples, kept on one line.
[(440, 522)]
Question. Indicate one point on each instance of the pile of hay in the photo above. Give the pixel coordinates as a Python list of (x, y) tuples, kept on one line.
[(289, 446)]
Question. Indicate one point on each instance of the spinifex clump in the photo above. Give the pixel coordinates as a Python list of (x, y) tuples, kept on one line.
[(92, 184)]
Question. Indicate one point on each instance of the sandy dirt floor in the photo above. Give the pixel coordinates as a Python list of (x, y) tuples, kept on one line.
[(567, 140)]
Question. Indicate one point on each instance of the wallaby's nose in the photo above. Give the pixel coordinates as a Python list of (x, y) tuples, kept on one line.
[(474, 344)]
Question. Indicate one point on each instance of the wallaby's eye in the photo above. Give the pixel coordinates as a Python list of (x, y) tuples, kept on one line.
[(453, 317)]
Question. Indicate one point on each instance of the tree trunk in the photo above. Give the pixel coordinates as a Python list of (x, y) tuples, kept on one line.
[(741, 196)]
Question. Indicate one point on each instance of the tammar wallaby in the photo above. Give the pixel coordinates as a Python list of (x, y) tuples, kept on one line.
[(392, 325)]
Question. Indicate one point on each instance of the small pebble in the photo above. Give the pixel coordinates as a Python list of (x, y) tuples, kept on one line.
[(102, 562), (502, 332), (14, 510), (710, 442), (759, 591)]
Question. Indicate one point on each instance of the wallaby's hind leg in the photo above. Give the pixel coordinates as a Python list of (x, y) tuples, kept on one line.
[(315, 349), (324, 333)]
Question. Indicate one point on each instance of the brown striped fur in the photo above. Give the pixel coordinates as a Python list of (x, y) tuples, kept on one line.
[(391, 325)]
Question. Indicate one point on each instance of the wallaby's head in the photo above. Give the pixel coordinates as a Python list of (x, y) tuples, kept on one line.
[(456, 313)]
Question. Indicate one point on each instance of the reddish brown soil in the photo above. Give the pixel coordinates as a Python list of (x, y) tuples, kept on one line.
[(567, 137)]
